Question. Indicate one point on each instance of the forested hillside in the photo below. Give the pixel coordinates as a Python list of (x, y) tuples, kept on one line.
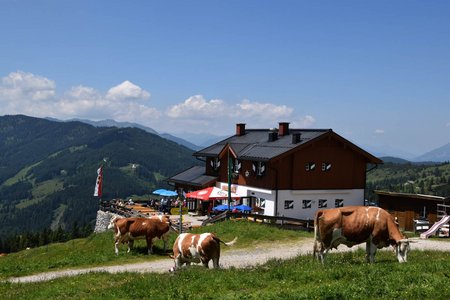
[(409, 178), (48, 170)]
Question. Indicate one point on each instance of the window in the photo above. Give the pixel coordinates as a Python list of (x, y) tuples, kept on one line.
[(215, 163), (236, 166), (288, 204), (310, 166), (306, 204), (259, 168), (322, 203), (326, 166), (339, 203)]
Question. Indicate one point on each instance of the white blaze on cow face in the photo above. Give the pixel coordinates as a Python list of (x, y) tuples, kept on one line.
[(402, 250)]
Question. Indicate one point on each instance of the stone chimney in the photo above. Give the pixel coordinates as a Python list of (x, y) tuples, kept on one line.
[(283, 128), (240, 129)]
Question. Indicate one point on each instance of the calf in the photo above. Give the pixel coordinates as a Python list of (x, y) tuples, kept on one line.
[(130, 229), (197, 248), (354, 225)]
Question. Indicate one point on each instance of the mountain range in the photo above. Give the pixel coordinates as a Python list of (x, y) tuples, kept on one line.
[(48, 169), (197, 141)]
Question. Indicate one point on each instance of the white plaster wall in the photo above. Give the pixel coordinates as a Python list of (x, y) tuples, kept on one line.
[(350, 197)]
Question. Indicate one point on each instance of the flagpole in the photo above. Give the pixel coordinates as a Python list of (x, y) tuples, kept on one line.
[(229, 179)]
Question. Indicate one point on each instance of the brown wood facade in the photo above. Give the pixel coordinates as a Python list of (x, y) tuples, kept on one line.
[(348, 167), (409, 207)]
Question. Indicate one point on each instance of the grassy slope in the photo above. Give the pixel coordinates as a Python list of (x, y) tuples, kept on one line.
[(98, 249), (344, 276)]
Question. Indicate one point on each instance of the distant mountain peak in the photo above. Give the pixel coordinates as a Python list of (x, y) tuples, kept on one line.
[(440, 154)]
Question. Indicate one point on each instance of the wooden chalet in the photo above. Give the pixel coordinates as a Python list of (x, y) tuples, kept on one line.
[(283, 171), (410, 207)]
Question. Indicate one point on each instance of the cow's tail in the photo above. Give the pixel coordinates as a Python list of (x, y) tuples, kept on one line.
[(226, 243)]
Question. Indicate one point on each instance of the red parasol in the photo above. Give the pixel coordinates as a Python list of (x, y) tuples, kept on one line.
[(211, 193)]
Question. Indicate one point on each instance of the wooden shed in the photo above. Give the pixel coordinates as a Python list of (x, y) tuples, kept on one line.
[(410, 207)]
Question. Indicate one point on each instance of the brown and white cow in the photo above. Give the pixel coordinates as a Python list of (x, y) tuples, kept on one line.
[(126, 230), (354, 225), (195, 248)]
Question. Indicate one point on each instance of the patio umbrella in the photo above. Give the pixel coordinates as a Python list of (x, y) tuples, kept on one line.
[(158, 191), (166, 193), (221, 208), (211, 193), (243, 207)]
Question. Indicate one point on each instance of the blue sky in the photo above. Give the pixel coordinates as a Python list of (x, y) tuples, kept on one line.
[(377, 73)]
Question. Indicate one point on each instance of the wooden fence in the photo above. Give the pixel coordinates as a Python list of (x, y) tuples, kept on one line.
[(281, 221)]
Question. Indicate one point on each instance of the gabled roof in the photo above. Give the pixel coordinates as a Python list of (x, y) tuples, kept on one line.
[(255, 145)]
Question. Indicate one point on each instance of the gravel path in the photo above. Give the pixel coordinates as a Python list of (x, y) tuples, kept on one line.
[(239, 258)]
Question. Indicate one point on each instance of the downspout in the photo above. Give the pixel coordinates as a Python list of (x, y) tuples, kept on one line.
[(276, 191)]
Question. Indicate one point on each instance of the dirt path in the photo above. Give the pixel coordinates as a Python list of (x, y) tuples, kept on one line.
[(238, 258)]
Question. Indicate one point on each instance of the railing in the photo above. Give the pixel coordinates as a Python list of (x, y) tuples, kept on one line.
[(442, 210), (280, 221)]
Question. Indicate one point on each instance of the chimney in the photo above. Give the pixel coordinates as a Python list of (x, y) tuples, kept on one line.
[(273, 136), (283, 128), (296, 137), (240, 129)]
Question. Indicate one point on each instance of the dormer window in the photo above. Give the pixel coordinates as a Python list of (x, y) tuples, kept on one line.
[(259, 168), (215, 163)]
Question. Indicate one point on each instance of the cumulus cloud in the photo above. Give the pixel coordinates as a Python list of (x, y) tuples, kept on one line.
[(127, 91), (197, 107), (199, 114), (26, 86), (264, 110), (26, 93)]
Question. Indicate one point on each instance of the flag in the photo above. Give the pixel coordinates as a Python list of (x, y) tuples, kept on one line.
[(99, 183)]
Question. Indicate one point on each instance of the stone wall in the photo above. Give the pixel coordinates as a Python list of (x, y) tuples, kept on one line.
[(103, 219)]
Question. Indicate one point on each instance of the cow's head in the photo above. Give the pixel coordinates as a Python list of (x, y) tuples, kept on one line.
[(402, 250), (112, 222)]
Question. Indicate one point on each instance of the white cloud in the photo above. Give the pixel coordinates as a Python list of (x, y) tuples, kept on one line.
[(304, 122), (26, 93), (26, 86), (198, 107), (379, 131), (448, 124), (127, 91), (265, 111)]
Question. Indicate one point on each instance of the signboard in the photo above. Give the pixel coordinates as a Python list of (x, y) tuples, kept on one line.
[(176, 211)]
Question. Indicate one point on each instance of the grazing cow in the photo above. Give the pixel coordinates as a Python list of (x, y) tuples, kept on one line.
[(130, 229), (197, 248), (355, 225)]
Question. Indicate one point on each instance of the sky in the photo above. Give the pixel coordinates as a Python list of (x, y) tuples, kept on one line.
[(376, 72)]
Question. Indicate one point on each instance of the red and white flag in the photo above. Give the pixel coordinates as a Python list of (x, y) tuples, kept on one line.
[(99, 183)]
